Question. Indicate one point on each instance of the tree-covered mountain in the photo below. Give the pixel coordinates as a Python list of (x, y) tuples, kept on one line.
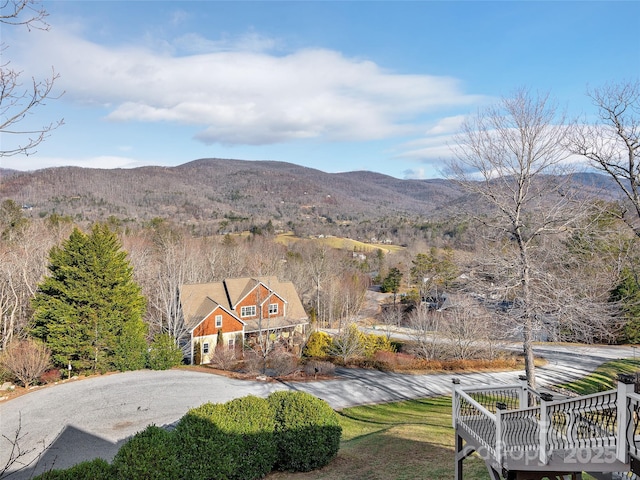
[(215, 195)]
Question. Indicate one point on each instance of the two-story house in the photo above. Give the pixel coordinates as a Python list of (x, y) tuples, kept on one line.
[(239, 309)]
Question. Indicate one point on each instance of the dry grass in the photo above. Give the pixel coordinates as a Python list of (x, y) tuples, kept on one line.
[(340, 243)]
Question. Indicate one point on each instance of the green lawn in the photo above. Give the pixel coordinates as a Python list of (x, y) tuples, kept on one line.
[(415, 440), (397, 441), (604, 378)]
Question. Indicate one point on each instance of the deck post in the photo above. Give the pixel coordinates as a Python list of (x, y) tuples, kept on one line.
[(545, 423), (454, 401), (459, 457), (524, 392), (500, 406), (626, 385)]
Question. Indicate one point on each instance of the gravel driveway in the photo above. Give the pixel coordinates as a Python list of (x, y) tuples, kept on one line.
[(80, 420)]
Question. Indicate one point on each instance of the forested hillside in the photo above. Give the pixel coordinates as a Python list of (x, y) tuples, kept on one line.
[(217, 196)]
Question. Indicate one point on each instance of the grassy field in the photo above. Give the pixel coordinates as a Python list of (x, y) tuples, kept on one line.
[(398, 441), (340, 243)]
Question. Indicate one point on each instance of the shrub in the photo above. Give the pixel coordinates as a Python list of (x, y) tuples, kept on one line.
[(197, 353), (130, 352), (151, 453), (317, 345), (283, 363), (376, 343), (387, 357), (51, 376), (164, 353), (307, 431), (227, 441), (315, 367), (224, 358), (26, 360), (253, 362), (96, 469), (348, 344)]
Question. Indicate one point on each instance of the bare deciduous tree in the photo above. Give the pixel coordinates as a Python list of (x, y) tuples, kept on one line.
[(511, 156), (19, 98), (22, 264), (392, 317), (426, 326), (466, 327), (347, 344), (612, 145)]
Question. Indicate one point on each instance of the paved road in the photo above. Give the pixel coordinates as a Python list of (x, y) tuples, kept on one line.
[(81, 420)]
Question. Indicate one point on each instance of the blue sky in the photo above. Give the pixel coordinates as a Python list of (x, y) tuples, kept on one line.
[(337, 86)]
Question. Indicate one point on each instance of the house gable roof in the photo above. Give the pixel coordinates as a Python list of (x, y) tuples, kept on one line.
[(199, 300), (239, 288), (205, 311)]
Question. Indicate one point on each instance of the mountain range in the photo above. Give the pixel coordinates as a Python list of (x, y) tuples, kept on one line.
[(216, 193)]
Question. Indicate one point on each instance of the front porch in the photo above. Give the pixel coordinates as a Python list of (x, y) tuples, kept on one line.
[(525, 435)]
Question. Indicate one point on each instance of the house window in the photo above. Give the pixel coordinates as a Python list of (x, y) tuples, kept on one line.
[(249, 311), (232, 343), (218, 321), (273, 309), (205, 348)]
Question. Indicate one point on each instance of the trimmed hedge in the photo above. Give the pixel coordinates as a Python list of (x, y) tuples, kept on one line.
[(243, 439), (96, 469), (307, 431), (149, 454), (227, 441)]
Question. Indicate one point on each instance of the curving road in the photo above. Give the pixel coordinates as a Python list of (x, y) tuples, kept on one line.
[(80, 420)]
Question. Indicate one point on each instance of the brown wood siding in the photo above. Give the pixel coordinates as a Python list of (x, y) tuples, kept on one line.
[(208, 325), (277, 301), (254, 299)]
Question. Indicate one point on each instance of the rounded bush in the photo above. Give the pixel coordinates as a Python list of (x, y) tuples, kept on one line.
[(149, 454), (317, 345), (164, 353), (307, 431), (231, 441), (96, 469)]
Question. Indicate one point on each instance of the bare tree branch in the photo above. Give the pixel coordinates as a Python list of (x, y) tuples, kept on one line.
[(512, 157), (612, 145), (18, 98)]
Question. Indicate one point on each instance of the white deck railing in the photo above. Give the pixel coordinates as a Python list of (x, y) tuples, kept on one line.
[(508, 419)]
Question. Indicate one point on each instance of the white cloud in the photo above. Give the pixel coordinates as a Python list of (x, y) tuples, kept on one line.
[(37, 162), (447, 125), (244, 96), (431, 149), (194, 43), (414, 174)]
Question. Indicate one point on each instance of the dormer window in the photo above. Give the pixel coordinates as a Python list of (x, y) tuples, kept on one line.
[(273, 309), (249, 311)]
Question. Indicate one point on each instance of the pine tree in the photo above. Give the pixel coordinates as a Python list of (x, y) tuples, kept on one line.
[(627, 295), (89, 310)]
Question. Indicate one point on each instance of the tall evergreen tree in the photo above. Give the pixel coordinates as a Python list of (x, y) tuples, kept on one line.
[(391, 282), (627, 294), (89, 310)]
